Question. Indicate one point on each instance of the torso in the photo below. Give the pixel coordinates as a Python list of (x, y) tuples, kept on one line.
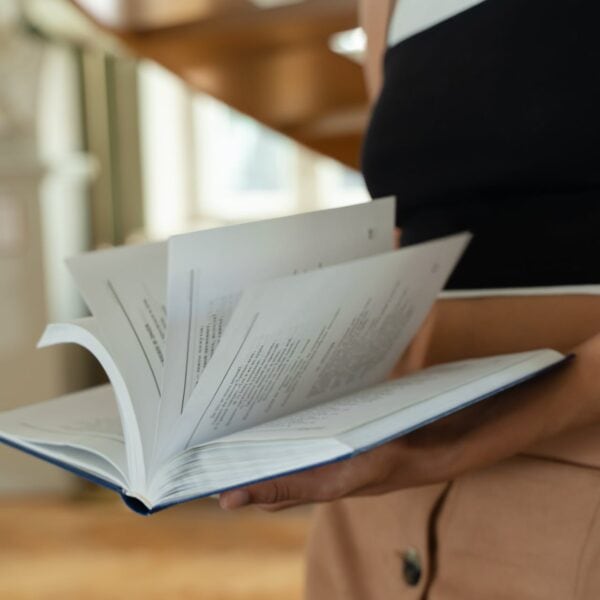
[(486, 534), (501, 318), (494, 132)]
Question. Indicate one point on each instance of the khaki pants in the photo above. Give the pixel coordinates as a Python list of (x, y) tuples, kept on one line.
[(527, 528)]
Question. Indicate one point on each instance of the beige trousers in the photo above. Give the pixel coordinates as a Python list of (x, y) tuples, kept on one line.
[(527, 528)]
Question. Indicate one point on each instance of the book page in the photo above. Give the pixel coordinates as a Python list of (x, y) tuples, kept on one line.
[(209, 269), (367, 406), (125, 289), (88, 420), (299, 341), (344, 426)]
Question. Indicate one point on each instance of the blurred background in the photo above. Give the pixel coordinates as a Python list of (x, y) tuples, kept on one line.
[(133, 120)]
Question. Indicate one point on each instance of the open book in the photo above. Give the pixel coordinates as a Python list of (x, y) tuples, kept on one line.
[(248, 352)]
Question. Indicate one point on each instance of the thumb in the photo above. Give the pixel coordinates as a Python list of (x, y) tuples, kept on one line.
[(268, 492), (275, 490)]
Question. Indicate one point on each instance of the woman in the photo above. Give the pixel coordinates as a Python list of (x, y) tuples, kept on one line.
[(487, 120)]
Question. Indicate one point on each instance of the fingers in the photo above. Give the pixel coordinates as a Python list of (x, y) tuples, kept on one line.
[(323, 484), (275, 493), (311, 486), (429, 455), (238, 498), (234, 499), (281, 505), (280, 493)]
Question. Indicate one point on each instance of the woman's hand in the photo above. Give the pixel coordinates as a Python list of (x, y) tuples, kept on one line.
[(470, 439), (392, 466)]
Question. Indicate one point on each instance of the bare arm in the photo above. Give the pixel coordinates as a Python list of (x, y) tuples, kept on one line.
[(374, 16)]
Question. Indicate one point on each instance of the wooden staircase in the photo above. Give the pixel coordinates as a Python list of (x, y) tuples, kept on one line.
[(272, 64)]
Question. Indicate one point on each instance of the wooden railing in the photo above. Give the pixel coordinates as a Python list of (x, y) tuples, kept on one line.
[(274, 65)]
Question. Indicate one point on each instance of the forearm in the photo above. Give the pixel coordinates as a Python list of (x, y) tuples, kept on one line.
[(524, 416)]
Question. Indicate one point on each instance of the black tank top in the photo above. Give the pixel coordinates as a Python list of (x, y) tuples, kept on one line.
[(490, 122)]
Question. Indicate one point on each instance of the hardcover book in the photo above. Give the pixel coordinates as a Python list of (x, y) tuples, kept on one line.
[(252, 351)]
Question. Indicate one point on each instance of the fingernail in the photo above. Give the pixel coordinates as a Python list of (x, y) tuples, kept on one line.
[(234, 499)]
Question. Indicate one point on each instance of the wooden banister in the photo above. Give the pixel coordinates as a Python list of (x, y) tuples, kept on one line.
[(274, 65)]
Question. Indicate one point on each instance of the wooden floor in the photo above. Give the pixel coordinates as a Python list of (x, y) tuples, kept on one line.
[(51, 548)]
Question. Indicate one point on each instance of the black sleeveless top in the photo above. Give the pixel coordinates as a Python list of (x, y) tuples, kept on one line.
[(490, 122)]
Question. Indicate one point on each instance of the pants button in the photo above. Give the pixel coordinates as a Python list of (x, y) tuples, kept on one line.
[(411, 567)]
